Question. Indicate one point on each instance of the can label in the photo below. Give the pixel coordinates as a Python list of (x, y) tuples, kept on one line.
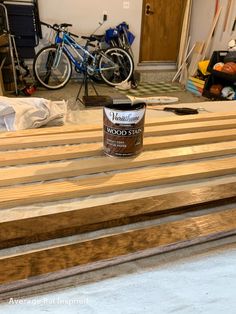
[(123, 129)]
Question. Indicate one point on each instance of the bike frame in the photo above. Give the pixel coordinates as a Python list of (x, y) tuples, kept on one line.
[(65, 41), (80, 51)]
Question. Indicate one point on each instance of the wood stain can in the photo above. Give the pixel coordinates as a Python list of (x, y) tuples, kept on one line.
[(123, 129)]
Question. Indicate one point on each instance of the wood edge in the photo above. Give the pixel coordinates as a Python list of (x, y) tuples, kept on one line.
[(98, 127), (47, 226), (42, 279)]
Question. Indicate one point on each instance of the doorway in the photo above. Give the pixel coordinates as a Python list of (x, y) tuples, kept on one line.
[(161, 30)]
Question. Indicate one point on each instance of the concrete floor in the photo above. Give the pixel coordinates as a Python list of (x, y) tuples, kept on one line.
[(75, 108), (199, 279)]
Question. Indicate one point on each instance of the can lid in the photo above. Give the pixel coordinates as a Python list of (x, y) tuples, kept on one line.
[(126, 106)]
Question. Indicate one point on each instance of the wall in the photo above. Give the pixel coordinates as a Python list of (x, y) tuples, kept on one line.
[(85, 15)]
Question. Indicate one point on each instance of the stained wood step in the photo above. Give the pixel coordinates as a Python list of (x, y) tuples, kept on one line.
[(131, 244)]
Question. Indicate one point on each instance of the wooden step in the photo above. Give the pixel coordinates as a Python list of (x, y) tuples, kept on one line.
[(131, 244), (43, 172), (47, 225)]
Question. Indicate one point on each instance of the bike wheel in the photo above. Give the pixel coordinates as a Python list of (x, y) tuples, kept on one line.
[(52, 68), (115, 66)]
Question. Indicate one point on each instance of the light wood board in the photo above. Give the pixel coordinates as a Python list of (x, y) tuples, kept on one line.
[(105, 183), (68, 169), (98, 127)]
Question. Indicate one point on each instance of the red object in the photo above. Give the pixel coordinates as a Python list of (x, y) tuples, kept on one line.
[(29, 90), (216, 7), (229, 67)]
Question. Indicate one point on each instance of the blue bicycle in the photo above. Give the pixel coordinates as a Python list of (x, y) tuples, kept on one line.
[(53, 64)]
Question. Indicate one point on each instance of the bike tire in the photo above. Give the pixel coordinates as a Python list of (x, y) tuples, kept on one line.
[(123, 69), (46, 76)]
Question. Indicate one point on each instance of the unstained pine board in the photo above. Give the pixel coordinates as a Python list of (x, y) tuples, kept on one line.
[(95, 136), (67, 169), (111, 182)]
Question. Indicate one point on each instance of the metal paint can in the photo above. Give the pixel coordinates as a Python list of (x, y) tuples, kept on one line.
[(123, 129)]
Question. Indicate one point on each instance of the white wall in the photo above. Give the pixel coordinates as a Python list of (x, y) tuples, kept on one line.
[(86, 14)]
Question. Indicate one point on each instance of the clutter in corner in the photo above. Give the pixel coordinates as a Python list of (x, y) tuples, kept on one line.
[(29, 113)]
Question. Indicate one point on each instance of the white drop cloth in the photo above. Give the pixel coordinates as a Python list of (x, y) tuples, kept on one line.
[(29, 113)]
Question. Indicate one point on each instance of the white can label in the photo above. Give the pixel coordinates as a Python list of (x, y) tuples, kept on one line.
[(129, 117)]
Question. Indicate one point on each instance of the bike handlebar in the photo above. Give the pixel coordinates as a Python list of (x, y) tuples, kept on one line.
[(59, 28)]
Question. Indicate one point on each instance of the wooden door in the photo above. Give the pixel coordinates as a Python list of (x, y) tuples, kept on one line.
[(161, 30)]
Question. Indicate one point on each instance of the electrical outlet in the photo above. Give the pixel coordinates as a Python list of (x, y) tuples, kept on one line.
[(126, 4), (105, 16)]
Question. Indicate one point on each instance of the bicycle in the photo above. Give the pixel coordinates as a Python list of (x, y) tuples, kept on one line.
[(52, 65)]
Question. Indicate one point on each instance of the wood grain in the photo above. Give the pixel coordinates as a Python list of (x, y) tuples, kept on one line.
[(8, 158), (161, 30), (53, 191), (88, 137), (98, 127), (27, 229), (153, 240), (152, 142), (45, 172), (189, 139)]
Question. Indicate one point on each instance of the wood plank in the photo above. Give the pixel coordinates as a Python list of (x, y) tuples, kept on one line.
[(45, 225), (190, 127), (88, 137), (149, 240), (45, 172), (10, 158), (54, 191), (92, 127), (51, 153), (212, 29), (184, 34), (196, 57), (189, 139)]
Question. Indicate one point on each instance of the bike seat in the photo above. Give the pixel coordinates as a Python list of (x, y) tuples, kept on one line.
[(89, 38), (98, 37), (93, 37), (65, 25)]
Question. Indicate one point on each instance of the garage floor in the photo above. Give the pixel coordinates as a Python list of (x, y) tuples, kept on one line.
[(198, 279), (144, 89), (77, 112)]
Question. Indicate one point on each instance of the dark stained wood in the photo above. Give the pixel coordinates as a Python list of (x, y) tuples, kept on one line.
[(47, 226), (155, 239)]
